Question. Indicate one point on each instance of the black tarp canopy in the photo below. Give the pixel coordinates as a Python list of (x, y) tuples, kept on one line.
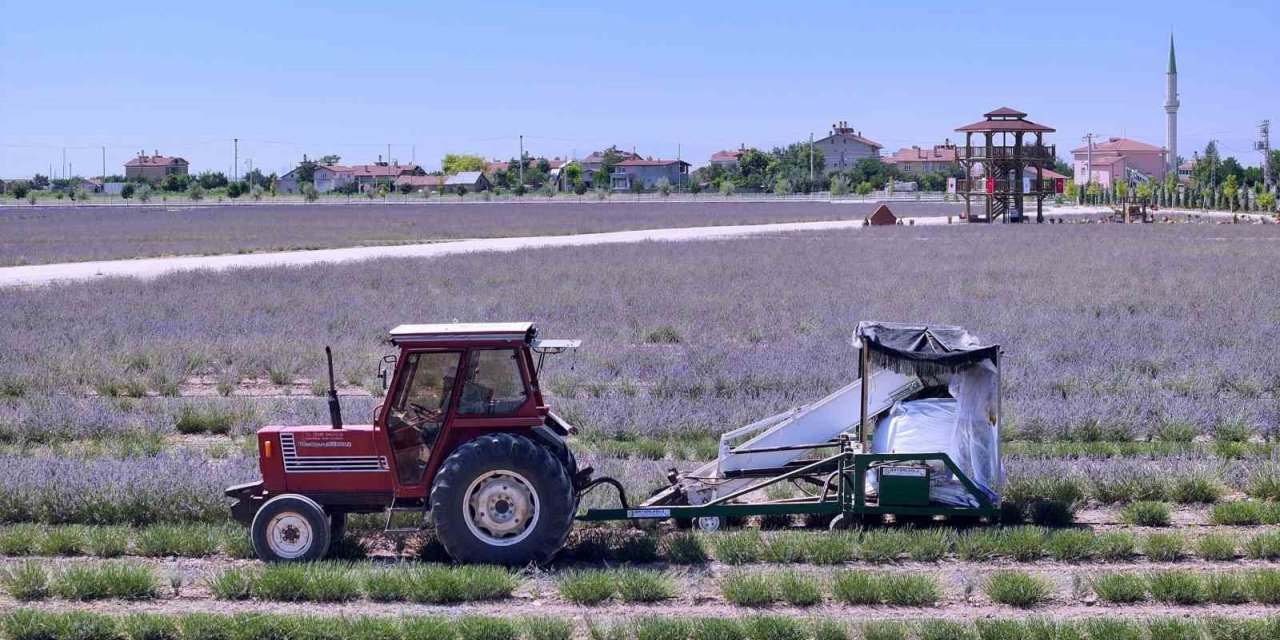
[(918, 347)]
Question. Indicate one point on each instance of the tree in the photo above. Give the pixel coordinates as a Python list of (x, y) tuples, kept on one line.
[(865, 188), (309, 192), (212, 179), (726, 188), (637, 186), (839, 185), (457, 163), (1267, 201), (1071, 191), (329, 159), (196, 192), (695, 187), (1145, 190), (572, 174), (255, 178), (19, 189), (580, 187), (175, 182), (405, 188), (126, 191), (235, 190), (1229, 189), (462, 191), (664, 186), (256, 192), (39, 181), (782, 187), (143, 193)]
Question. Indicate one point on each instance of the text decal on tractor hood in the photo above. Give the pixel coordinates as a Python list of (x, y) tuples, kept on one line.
[(329, 444)]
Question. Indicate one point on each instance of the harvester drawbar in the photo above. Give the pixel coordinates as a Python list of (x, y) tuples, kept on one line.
[(465, 443)]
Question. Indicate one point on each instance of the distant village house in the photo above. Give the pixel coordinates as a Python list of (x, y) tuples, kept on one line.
[(648, 173), (1120, 159), (844, 147), (154, 168)]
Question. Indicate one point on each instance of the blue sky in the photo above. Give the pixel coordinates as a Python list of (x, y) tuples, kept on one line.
[(662, 77)]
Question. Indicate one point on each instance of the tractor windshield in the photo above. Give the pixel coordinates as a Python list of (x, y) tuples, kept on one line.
[(418, 410)]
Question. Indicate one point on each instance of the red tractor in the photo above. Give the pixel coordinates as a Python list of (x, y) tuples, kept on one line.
[(463, 437)]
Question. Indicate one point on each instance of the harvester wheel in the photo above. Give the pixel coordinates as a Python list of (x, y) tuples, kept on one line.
[(502, 499), (711, 524), (290, 528)]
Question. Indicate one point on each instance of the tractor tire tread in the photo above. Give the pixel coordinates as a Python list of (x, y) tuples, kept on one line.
[(502, 451)]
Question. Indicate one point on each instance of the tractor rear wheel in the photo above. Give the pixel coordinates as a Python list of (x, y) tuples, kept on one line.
[(290, 528), (502, 499)]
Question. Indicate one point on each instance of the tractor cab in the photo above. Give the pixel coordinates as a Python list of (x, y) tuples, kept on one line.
[(463, 438)]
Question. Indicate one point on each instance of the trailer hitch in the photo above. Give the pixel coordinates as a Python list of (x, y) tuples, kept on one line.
[(592, 484)]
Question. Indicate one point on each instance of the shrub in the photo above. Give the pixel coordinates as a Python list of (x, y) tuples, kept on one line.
[(55, 625), (1264, 481), (799, 590), (548, 628), (637, 585), (856, 587), (1216, 546), (1226, 588), (1241, 513), (749, 589), (1146, 513), (1024, 544), (1116, 545), (1196, 488), (883, 545), (684, 548), (738, 547), (930, 545), (828, 629), (945, 630), (1112, 629), (1264, 586), (909, 590), (311, 582), (642, 548), (64, 540), (486, 628), (761, 627), (231, 584), (716, 629), (150, 626), (1018, 588), (183, 541), (835, 547), (27, 581), (1173, 629), (19, 539), (665, 334), (1176, 587), (786, 547), (1263, 546), (1119, 588), (125, 581), (660, 628), (1164, 547), (466, 583), (586, 586), (1071, 545), (193, 419), (107, 541), (978, 544)]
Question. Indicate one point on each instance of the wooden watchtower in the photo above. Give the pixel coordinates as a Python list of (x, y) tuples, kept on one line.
[(1003, 167)]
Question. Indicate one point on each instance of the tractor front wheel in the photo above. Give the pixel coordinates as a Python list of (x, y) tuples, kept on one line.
[(502, 499), (290, 528)]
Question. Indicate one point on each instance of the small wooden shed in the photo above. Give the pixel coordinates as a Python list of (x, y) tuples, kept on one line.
[(883, 216)]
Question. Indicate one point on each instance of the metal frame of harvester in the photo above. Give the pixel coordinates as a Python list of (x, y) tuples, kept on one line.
[(837, 480)]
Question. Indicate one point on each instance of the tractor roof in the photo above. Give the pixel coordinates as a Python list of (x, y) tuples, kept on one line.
[(523, 331)]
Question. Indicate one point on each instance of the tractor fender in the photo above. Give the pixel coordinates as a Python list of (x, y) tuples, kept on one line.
[(546, 437), (249, 498)]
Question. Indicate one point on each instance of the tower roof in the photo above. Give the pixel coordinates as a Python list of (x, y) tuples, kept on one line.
[(1173, 61)]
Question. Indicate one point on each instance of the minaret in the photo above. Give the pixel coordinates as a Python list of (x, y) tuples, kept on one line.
[(1171, 108)]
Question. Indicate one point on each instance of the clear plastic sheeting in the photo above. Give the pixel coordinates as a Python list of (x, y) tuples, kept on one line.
[(964, 426)]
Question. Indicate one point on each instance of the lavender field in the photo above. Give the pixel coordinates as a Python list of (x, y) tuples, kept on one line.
[(31, 235)]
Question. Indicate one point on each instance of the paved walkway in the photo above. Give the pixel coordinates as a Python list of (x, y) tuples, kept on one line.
[(36, 275)]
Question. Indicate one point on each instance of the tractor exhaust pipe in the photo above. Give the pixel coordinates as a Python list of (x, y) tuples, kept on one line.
[(335, 409)]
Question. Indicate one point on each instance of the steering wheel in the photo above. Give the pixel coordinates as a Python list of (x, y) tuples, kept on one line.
[(427, 415)]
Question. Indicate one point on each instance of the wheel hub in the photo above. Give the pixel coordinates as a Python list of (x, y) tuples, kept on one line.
[(289, 535), (501, 508)]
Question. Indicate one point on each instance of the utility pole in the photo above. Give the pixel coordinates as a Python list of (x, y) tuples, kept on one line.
[(1213, 167), (521, 160), (64, 163), (388, 167), (235, 160), (810, 157), (1088, 163), (104, 170), (1264, 145)]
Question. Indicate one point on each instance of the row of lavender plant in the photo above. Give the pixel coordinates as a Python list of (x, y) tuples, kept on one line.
[(1109, 332), (66, 234)]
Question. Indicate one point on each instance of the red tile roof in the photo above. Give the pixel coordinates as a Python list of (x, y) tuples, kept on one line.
[(1004, 112), (1048, 173), (1004, 120), (923, 154), (727, 156), (650, 163), (1121, 145), (384, 170), (147, 161), (336, 168)]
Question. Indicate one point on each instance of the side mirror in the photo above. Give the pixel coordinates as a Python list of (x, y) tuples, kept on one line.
[(384, 372)]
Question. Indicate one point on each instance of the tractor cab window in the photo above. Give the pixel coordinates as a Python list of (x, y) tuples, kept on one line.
[(493, 385), (417, 410)]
